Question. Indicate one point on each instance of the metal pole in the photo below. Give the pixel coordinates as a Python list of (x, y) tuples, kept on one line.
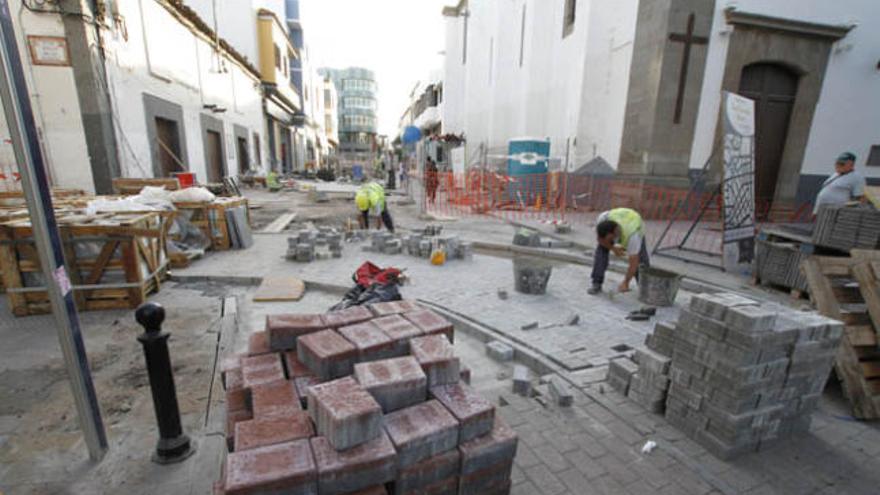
[(23, 132)]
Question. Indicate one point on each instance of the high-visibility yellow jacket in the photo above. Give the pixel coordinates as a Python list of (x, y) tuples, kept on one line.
[(630, 223), (371, 196)]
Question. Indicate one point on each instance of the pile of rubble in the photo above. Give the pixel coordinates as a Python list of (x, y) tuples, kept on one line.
[(363, 400), (733, 374), (310, 245)]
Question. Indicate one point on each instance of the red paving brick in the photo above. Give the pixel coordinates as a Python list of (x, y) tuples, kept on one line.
[(294, 367), (474, 413), (394, 307), (431, 323), (490, 481), (428, 472), (258, 343), (233, 379), (259, 370), (399, 329), (498, 447), (288, 468), (421, 431), (437, 358), (394, 383), (344, 413), (371, 343), (302, 386), (233, 417), (348, 316), (327, 354), (369, 464), (275, 399), (263, 431), (238, 399), (230, 363), (285, 329), (375, 490)]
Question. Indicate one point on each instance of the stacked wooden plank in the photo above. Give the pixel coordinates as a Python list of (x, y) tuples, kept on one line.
[(114, 260), (131, 187), (847, 227), (847, 289)]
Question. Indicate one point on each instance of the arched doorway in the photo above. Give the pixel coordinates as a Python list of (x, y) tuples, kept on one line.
[(774, 89)]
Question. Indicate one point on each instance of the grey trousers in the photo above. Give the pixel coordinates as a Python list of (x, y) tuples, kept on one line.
[(602, 258)]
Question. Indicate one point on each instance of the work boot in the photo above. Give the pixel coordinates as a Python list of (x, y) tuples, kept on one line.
[(595, 289)]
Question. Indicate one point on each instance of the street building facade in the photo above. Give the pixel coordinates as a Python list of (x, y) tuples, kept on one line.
[(357, 115), (638, 85)]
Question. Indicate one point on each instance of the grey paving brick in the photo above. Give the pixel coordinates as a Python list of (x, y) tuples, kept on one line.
[(524, 488), (525, 456), (551, 458), (546, 482)]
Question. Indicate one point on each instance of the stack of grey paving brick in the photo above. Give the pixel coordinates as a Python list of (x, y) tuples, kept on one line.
[(380, 417), (530, 274), (309, 245), (649, 385), (847, 227), (620, 373), (746, 375), (779, 263)]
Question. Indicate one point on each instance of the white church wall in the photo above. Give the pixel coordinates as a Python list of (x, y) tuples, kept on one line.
[(607, 63), (846, 117), (492, 98)]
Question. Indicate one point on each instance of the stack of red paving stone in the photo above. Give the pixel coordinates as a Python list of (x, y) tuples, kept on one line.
[(368, 400)]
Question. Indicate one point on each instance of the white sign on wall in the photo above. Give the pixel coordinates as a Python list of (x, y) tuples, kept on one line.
[(49, 50), (457, 157)]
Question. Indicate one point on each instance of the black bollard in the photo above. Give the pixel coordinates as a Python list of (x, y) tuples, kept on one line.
[(174, 445)]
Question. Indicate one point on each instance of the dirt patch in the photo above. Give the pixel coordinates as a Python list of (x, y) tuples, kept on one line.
[(23, 390)]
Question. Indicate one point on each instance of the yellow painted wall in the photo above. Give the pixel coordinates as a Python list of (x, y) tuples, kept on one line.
[(267, 49)]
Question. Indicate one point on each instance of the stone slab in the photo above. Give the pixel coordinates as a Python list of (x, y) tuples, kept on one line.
[(357, 468), (395, 383), (522, 380), (499, 351), (344, 413), (421, 431), (474, 413), (284, 468), (327, 354)]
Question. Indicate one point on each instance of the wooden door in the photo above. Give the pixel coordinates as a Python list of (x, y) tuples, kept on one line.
[(774, 89), (214, 160), (168, 139), (243, 158)]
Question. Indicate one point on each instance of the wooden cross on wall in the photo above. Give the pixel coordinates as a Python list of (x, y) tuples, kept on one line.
[(689, 41)]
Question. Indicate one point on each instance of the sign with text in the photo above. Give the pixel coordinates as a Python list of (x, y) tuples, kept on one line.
[(49, 50), (739, 183)]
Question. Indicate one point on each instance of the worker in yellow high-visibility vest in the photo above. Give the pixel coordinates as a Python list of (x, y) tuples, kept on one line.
[(371, 199), (620, 231)]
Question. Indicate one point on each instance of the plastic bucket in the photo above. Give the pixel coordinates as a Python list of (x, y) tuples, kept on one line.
[(186, 179), (658, 287)]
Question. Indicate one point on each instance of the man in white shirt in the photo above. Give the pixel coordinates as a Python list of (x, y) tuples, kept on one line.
[(844, 186)]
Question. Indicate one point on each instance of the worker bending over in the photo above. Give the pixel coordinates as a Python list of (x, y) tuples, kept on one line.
[(371, 198), (621, 231)]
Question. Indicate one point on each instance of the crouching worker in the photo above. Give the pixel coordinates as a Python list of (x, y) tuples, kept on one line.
[(371, 199), (622, 232)]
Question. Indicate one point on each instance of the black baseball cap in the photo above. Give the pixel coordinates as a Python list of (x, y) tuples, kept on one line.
[(846, 157)]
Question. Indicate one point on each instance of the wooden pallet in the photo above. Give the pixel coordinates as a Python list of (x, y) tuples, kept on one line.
[(210, 218), (114, 260), (847, 289)]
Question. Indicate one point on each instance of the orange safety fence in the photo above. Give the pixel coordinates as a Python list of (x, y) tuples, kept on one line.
[(578, 199)]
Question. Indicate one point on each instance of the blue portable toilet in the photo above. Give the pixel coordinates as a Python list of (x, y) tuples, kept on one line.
[(528, 164), (357, 172)]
